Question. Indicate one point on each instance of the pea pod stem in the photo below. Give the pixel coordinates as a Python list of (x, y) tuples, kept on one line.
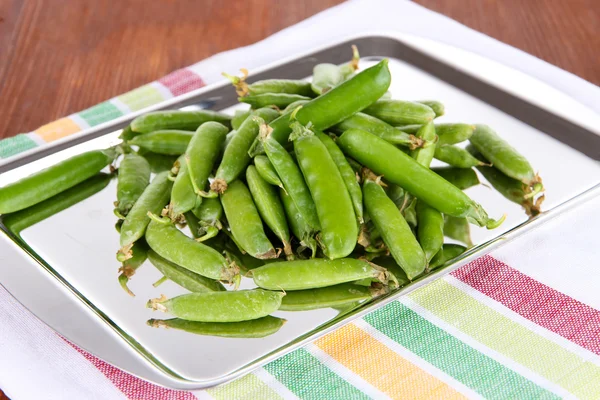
[(160, 281)]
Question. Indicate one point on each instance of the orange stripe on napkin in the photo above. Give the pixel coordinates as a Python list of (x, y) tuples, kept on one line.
[(382, 367), (57, 129)]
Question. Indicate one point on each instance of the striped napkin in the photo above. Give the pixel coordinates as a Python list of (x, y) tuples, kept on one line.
[(523, 322)]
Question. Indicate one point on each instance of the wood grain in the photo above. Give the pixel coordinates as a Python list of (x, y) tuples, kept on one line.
[(58, 60)]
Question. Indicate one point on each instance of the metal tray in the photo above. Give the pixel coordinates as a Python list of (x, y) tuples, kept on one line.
[(63, 268)]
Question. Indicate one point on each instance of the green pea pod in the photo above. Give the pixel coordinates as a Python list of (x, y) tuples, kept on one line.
[(399, 112), (292, 179), (153, 199), (193, 224), (256, 328), (384, 159), (332, 296), (512, 189), (297, 223), (396, 233), (447, 253), (429, 221), (456, 156), (337, 104), (327, 76), (348, 175), (315, 273), (170, 243), (379, 128), (48, 182), (430, 229), (178, 120), (228, 306), (290, 108), (289, 86), (202, 153), (448, 133), (457, 229), (462, 178), (18, 221), (127, 133), (389, 263), (139, 254), (244, 221), (183, 277), (269, 207), (236, 158), (437, 107), (424, 155), (169, 142), (239, 117), (158, 162), (339, 230), (505, 158), (279, 100), (204, 221), (266, 170), (183, 196)]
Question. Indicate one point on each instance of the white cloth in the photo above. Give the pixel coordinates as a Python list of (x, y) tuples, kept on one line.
[(35, 363)]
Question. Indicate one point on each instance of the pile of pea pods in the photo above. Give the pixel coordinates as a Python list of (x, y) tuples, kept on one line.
[(321, 193)]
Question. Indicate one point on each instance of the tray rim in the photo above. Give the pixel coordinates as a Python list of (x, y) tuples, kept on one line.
[(478, 251)]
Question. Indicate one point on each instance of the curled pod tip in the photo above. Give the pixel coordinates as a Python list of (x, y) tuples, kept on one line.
[(241, 87)]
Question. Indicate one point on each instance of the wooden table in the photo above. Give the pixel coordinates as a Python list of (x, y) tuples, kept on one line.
[(56, 60)]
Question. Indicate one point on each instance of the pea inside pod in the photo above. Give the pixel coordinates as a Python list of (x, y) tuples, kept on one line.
[(256, 328), (48, 182), (228, 306)]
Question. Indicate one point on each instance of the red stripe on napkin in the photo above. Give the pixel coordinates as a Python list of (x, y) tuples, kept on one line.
[(535, 301), (182, 81), (132, 387)]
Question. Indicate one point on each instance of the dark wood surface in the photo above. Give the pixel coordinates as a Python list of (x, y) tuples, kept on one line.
[(56, 60), (59, 59)]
